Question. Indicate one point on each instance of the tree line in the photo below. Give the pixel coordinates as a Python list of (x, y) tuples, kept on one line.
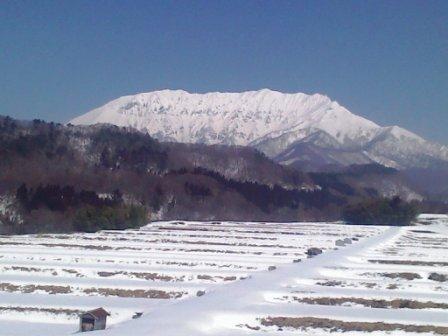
[(83, 210), (382, 211)]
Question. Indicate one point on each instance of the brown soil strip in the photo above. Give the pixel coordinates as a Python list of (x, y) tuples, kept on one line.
[(135, 293), (103, 247), (402, 275), (408, 262), (203, 236), (209, 251), (41, 270), (166, 228), (423, 246), (164, 277), (190, 264), (214, 278), (89, 247), (12, 243), (343, 284), (378, 303), (70, 312), (211, 243), (72, 271), (9, 287), (27, 269), (141, 275), (330, 283), (344, 326)]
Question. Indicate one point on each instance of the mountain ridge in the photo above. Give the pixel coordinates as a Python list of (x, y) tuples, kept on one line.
[(272, 122)]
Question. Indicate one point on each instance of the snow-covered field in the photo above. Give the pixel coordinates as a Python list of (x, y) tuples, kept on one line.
[(229, 278)]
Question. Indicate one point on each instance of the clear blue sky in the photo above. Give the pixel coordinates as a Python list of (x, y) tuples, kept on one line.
[(385, 60)]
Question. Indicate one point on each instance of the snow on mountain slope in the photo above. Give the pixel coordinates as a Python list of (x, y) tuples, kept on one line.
[(271, 121)]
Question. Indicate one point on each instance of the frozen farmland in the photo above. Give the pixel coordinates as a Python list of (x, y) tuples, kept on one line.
[(230, 278)]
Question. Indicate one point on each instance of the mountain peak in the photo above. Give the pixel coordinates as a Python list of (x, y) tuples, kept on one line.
[(269, 120)]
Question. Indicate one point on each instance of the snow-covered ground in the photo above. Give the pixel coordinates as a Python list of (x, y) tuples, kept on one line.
[(256, 277)]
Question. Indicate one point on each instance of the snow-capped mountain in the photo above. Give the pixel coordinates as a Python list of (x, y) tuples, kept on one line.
[(291, 128)]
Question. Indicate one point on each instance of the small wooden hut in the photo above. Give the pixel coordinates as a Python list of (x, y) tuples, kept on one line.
[(93, 320)]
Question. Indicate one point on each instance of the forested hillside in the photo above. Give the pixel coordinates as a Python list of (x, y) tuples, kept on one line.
[(63, 178)]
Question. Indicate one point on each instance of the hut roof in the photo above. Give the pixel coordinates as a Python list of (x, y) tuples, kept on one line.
[(97, 313)]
